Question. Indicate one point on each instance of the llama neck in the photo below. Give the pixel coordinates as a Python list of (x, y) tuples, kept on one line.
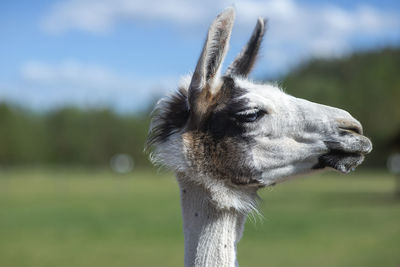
[(210, 235)]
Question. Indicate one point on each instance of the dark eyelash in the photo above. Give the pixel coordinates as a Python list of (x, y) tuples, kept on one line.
[(249, 117)]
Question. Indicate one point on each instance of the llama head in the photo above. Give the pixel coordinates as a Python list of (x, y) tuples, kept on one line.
[(233, 136)]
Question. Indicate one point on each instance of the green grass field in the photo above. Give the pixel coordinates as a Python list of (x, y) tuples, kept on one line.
[(96, 218)]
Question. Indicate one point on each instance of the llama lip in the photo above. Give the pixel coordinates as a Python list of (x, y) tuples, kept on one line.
[(339, 160), (344, 157)]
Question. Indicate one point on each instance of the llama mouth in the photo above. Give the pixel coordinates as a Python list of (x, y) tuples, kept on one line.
[(339, 160)]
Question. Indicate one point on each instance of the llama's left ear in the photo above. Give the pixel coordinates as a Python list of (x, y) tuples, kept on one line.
[(244, 62), (206, 74)]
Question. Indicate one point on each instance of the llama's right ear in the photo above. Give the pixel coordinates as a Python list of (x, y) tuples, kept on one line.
[(206, 74), (244, 62)]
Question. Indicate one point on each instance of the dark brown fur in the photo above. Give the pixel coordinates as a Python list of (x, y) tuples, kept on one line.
[(169, 118), (220, 158)]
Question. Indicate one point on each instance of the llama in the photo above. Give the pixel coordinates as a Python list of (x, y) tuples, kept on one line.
[(225, 137)]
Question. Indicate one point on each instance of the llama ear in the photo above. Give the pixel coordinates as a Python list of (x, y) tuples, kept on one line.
[(244, 62), (210, 61)]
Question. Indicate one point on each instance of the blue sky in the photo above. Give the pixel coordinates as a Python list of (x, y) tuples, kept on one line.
[(124, 53)]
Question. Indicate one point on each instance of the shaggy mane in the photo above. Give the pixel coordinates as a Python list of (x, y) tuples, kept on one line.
[(168, 117)]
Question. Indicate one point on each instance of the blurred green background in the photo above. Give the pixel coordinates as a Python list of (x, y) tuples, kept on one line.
[(61, 203), (58, 217), (78, 80)]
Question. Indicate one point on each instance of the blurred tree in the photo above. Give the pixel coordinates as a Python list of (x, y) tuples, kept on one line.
[(92, 137), (70, 136), (22, 137)]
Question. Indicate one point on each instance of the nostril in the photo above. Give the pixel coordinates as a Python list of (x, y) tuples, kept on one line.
[(350, 126), (352, 129)]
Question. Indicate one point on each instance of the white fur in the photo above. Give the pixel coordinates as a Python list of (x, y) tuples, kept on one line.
[(285, 144), (211, 235), (287, 141)]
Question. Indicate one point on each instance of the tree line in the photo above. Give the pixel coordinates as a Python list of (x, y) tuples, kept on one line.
[(365, 84), (70, 136)]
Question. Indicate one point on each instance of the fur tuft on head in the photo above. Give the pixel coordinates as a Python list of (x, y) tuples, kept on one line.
[(169, 117)]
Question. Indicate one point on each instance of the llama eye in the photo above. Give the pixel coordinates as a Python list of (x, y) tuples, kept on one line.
[(251, 116)]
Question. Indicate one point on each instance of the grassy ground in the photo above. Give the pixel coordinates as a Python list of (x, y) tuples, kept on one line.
[(96, 218)]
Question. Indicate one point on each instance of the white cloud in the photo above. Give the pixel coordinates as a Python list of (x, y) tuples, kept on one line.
[(74, 82), (102, 15), (99, 16), (296, 30), (70, 72)]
